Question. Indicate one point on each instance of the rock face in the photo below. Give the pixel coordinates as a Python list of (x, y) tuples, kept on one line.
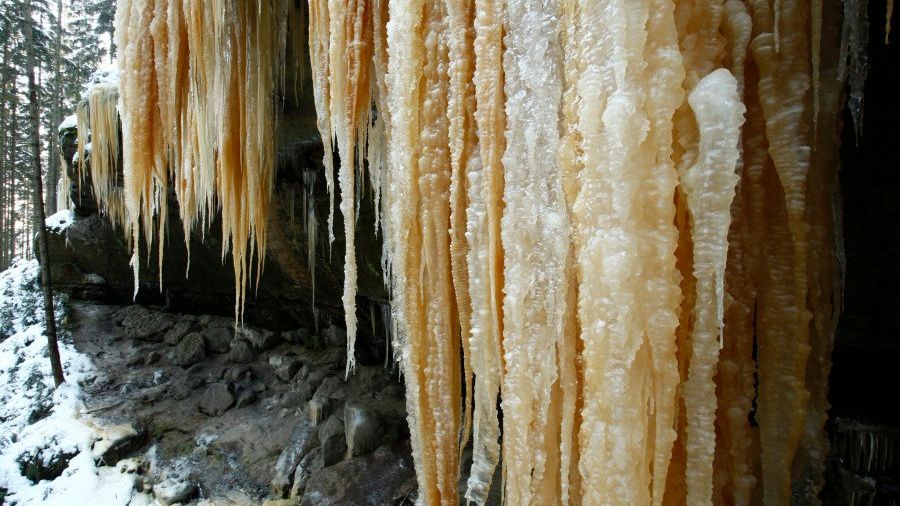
[(217, 427)]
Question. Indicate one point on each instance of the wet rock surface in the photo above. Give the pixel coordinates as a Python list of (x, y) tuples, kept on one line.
[(209, 424)]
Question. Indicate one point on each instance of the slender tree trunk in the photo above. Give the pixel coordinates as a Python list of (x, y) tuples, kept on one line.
[(42, 250), (5, 176), (52, 158), (13, 176)]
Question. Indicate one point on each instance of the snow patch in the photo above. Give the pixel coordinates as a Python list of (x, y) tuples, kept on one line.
[(43, 424), (71, 121), (60, 221)]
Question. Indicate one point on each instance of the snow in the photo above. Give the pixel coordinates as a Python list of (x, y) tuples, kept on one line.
[(107, 75), (61, 220), (36, 420), (71, 121)]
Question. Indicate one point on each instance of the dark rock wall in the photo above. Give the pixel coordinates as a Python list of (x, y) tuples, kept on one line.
[(864, 423)]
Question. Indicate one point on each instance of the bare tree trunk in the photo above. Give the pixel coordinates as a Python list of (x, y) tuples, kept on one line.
[(5, 172), (42, 250), (52, 159)]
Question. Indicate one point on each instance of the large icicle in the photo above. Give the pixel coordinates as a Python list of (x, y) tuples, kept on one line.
[(709, 186), (319, 24), (618, 155), (419, 244), (485, 261), (463, 144), (535, 228), (783, 86), (661, 295), (736, 369), (97, 114), (349, 63)]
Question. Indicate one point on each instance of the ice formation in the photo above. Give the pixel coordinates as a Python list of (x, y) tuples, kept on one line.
[(602, 220), (197, 104)]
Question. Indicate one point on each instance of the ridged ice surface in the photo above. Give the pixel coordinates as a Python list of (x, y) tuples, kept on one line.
[(608, 225)]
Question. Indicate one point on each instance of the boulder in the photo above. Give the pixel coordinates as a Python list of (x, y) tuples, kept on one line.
[(362, 429), (216, 400), (190, 350), (322, 402), (241, 352), (171, 491), (146, 325), (387, 472), (331, 440), (116, 442), (302, 440), (285, 366), (218, 338), (261, 339), (174, 335), (334, 336)]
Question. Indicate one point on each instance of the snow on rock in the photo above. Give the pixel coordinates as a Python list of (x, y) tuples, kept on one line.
[(71, 121), (45, 436), (61, 220)]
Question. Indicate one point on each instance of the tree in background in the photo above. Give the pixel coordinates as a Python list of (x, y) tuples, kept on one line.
[(39, 215), (69, 39)]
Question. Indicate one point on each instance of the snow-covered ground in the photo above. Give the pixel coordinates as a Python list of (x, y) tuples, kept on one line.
[(40, 424)]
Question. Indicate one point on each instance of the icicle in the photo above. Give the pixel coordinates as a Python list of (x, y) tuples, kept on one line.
[(484, 259), (197, 99), (462, 143), (623, 122), (709, 186), (419, 211), (319, 23), (855, 58), (783, 83), (570, 369), (888, 14), (534, 219)]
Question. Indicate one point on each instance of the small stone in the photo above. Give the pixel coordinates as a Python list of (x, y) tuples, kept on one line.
[(285, 366), (178, 331), (152, 358), (245, 398), (260, 339), (216, 399), (291, 399), (218, 339), (171, 491), (241, 352), (191, 350)]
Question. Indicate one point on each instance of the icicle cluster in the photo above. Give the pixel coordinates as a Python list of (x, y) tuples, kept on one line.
[(599, 207), (98, 141), (613, 217), (197, 102)]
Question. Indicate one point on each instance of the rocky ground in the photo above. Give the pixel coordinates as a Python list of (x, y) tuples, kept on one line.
[(202, 411)]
